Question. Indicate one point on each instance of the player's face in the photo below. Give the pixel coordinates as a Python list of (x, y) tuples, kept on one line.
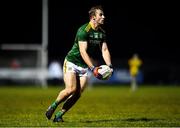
[(99, 17)]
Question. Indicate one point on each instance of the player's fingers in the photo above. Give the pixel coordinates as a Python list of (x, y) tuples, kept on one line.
[(99, 76), (112, 70)]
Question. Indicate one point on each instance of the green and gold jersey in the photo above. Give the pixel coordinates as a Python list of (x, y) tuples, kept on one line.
[(94, 38)]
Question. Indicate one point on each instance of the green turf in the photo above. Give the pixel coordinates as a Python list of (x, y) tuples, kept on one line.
[(100, 106)]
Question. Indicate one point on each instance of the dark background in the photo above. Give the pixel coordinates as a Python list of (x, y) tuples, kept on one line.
[(147, 28)]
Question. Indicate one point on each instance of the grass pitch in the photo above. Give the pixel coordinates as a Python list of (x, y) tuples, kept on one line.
[(100, 106)]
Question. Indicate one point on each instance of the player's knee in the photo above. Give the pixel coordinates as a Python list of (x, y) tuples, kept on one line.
[(70, 90)]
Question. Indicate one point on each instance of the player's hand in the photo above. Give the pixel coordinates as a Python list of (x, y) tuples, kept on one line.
[(111, 68), (95, 72)]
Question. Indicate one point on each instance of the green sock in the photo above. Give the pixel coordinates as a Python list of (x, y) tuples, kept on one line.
[(59, 114), (54, 105)]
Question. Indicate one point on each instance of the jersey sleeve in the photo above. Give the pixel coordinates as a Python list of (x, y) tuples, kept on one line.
[(104, 37), (82, 35)]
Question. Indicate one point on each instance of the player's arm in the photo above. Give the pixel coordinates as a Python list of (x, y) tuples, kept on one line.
[(83, 48), (83, 51), (106, 54)]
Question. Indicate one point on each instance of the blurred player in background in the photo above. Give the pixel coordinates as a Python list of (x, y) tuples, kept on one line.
[(90, 37), (134, 63)]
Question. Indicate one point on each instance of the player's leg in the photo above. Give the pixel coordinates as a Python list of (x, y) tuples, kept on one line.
[(70, 87), (133, 79), (133, 84), (70, 80), (81, 83), (75, 87)]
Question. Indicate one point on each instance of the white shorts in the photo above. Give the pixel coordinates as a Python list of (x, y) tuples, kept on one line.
[(71, 67)]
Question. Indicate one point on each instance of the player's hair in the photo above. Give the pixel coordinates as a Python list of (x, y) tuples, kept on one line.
[(92, 11)]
